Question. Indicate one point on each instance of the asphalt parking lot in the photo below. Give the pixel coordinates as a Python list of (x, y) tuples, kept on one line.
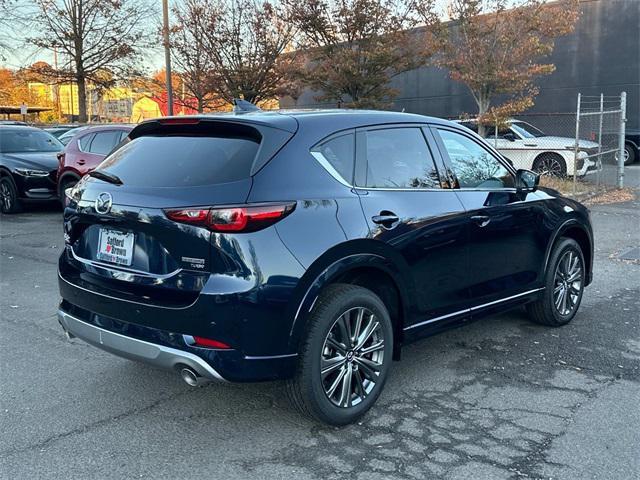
[(501, 398)]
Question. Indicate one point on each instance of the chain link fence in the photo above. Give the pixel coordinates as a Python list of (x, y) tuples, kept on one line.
[(576, 152)]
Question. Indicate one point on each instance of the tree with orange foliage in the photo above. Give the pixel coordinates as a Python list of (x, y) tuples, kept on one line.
[(496, 50)]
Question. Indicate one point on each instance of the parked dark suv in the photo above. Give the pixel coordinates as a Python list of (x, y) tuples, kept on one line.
[(309, 246)]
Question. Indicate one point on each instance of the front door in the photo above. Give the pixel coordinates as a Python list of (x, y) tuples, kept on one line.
[(506, 240)]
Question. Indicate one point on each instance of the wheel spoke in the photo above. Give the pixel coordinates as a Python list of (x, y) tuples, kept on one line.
[(558, 299), (337, 346), (565, 309), (359, 384), (369, 329), (369, 368), (343, 326), (331, 365), (358, 326), (372, 348), (345, 393), (577, 275), (332, 389)]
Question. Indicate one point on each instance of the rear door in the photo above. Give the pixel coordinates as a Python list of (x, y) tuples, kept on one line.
[(100, 145), (406, 207)]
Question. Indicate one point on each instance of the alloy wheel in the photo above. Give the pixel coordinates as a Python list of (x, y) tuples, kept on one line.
[(567, 283), (6, 197), (550, 166), (352, 357)]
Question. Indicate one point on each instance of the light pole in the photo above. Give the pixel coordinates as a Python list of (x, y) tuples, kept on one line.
[(167, 55)]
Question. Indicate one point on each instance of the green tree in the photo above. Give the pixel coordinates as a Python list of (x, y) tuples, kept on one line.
[(353, 48)]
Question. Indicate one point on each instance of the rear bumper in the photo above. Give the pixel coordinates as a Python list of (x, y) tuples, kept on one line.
[(134, 349)]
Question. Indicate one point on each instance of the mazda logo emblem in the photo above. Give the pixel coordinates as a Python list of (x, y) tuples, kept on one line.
[(103, 203)]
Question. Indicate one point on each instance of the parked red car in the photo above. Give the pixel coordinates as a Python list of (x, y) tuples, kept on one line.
[(86, 150)]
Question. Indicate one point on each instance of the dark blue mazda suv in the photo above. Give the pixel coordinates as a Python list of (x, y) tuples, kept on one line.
[(309, 247)]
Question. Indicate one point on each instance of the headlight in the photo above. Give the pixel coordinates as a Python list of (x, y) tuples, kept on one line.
[(26, 172)]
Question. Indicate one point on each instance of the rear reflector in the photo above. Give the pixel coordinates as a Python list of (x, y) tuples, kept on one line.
[(233, 219), (209, 343)]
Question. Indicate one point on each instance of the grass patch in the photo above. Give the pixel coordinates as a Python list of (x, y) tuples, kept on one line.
[(565, 185)]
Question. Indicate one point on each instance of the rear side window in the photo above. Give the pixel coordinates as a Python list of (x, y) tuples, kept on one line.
[(84, 142), (339, 153), (399, 158), (103, 142), (182, 160)]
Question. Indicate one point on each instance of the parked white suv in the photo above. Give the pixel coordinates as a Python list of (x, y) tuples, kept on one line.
[(530, 148)]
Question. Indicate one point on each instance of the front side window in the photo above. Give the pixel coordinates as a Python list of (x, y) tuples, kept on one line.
[(474, 166), (399, 158), (339, 152)]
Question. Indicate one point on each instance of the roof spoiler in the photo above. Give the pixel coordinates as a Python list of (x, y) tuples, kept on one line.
[(242, 106)]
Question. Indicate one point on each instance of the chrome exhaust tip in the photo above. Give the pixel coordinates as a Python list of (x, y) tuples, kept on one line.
[(192, 378)]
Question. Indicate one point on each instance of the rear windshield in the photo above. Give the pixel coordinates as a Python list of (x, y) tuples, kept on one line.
[(182, 161)]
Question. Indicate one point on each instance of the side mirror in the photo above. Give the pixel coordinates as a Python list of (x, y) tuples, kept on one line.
[(527, 181), (510, 136)]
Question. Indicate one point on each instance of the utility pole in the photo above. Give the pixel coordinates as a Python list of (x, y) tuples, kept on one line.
[(167, 55)]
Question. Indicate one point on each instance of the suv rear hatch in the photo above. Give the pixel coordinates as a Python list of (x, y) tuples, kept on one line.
[(120, 240)]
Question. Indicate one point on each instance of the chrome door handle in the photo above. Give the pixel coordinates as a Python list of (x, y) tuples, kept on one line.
[(481, 220), (386, 219)]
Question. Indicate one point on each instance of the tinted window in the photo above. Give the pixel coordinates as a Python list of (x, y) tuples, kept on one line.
[(399, 158), (474, 166), (24, 140), (340, 153), (103, 142), (176, 161), (527, 130), (84, 142)]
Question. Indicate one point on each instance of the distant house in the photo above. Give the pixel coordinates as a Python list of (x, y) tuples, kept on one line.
[(150, 106)]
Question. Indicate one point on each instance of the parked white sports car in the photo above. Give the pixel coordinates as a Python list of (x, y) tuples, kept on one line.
[(530, 148)]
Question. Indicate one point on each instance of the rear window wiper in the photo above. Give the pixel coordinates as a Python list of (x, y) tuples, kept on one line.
[(107, 177)]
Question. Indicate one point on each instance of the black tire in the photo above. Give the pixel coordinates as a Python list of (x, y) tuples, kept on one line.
[(550, 164), (545, 311), (308, 390), (65, 183), (9, 201), (630, 154)]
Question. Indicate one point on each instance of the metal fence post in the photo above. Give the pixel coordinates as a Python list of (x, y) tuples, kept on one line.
[(599, 157), (576, 147), (623, 119)]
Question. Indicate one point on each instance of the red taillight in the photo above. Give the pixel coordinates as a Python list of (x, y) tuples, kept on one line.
[(232, 219), (209, 343)]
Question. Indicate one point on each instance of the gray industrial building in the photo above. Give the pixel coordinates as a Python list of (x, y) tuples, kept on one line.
[(602, 55)]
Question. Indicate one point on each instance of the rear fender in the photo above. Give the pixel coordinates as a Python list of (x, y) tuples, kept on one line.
[(327, 269)]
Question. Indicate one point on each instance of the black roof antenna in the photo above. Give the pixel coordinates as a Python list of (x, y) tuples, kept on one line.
[(242, 106)]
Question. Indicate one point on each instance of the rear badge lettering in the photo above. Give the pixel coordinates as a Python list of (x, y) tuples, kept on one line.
[(194, 262)]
